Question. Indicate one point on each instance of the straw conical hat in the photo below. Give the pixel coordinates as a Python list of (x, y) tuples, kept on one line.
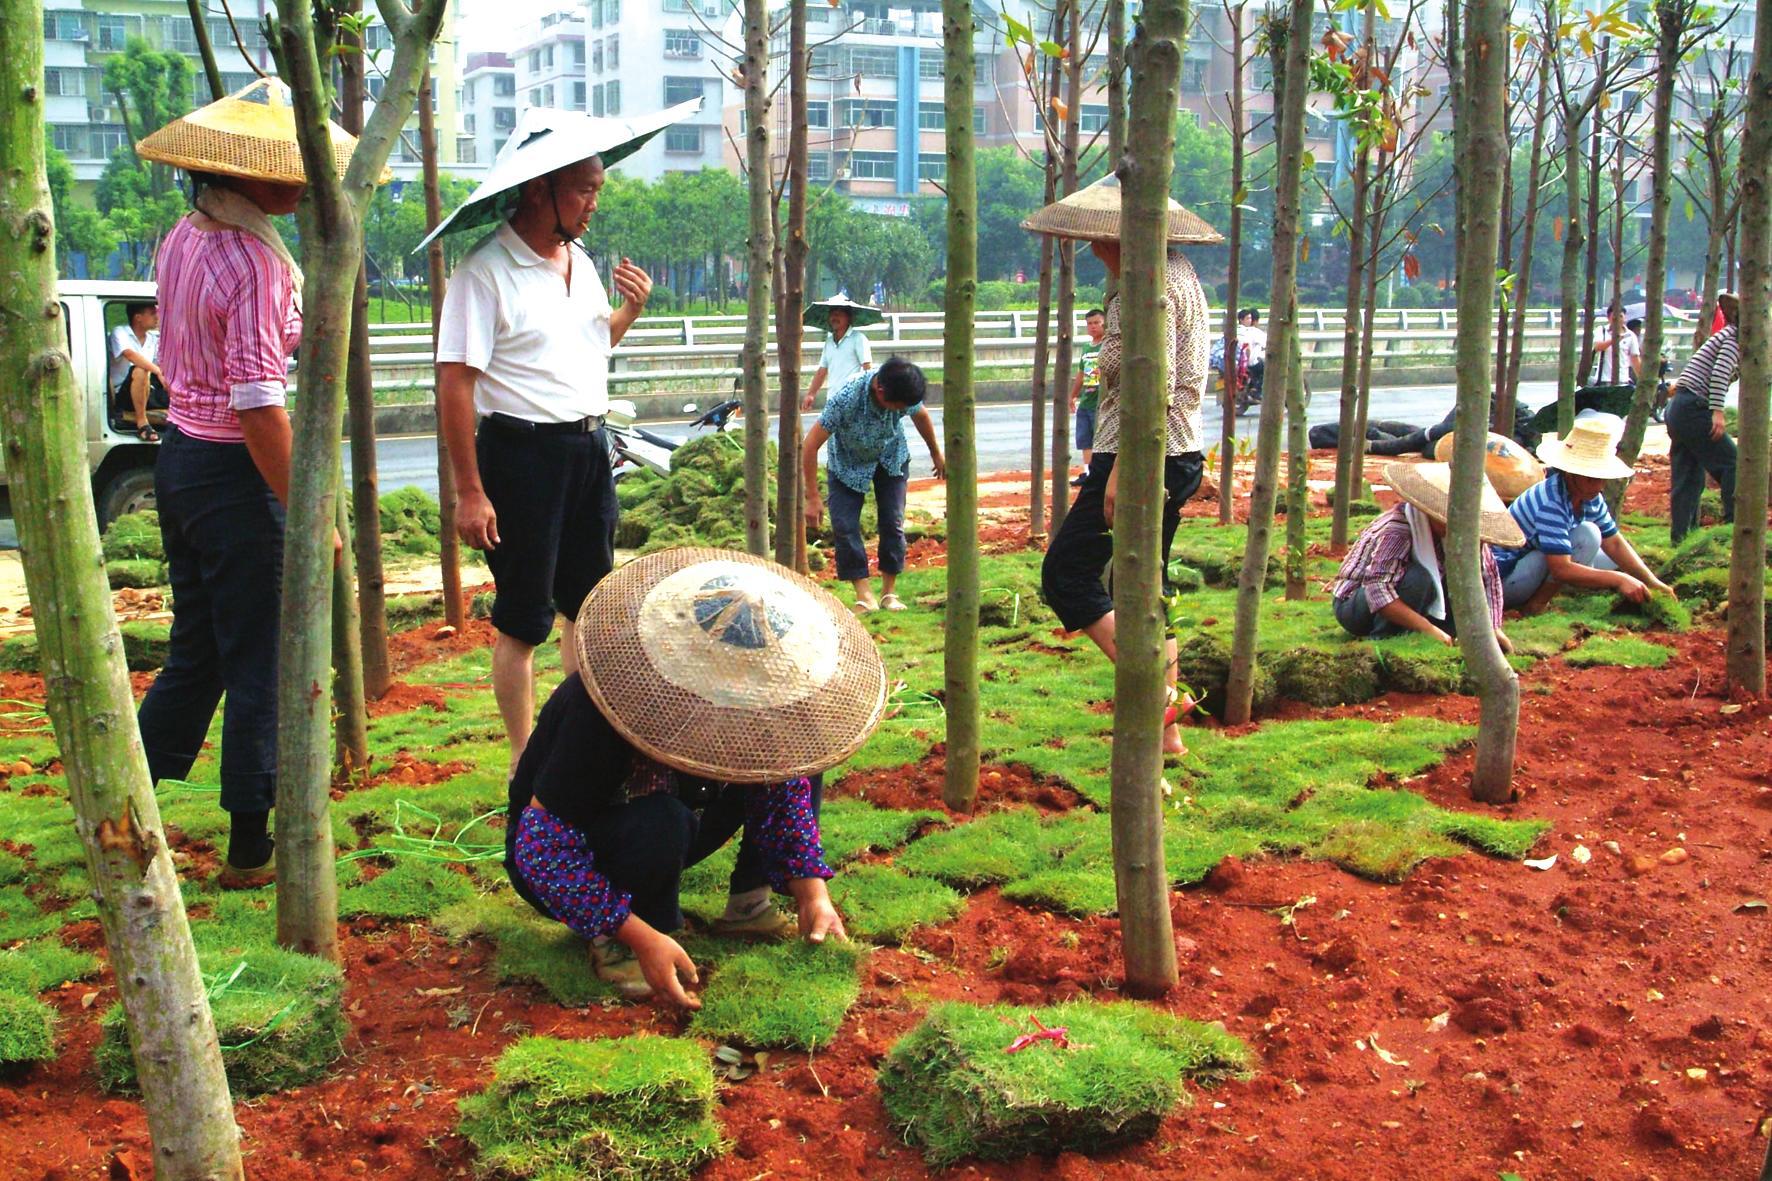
[(250, 133), (818, 315), (1093, 214), (728, 666), (1589, 449), (1509, 466), (1427, 487)]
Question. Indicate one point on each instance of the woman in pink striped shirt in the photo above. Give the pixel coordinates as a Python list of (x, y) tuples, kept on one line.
[(230, 301)]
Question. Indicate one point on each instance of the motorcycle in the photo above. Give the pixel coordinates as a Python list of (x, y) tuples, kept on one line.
[(633, 447)]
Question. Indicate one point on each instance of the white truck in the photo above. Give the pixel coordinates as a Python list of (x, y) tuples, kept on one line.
[(122, 465)]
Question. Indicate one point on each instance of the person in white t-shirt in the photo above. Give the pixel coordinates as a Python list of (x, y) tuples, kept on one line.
[(523, 368), (135, 379), (1619, 357), (846, 353)]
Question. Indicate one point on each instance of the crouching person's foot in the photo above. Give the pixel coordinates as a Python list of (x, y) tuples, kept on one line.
[(616, 965), (751, 917)]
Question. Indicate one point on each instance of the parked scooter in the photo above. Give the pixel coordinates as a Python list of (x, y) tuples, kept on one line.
[(634, 447)]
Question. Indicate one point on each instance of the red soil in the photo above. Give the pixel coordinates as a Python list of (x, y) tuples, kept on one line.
[(919, 786), (410, 770)]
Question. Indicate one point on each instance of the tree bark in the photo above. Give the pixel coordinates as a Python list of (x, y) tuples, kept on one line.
[(1298, 467), (1116, 125), (1505, 261), (449, 545), (1067, 274), (206, 50), (1590, 281), (960, 777), (1042, 353), (1375, 240), (1746, 659), (1481, 137), (761, 239), (374, 674), (1350, 448), (351, 725), (1290, 50), (1569, 285), (332, 250), (1227, 437), (128, 862), (1507, 393), (790, 547), (1141, 879)]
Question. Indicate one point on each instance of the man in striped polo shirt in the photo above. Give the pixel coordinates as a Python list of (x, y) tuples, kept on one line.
[(1701, 445)]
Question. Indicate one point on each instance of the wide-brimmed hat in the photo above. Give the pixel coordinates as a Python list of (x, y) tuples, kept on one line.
[(547, 140), (1509, 466), (728, 666), (818, 315), (1589, 449), (1093, 215), (1427, 486), (249, 133)]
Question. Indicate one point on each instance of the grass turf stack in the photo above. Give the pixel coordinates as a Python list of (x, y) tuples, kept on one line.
[(953, 1088), (134, 555), (636, 1108), (700, 501)]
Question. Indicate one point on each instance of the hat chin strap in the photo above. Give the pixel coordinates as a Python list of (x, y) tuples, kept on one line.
[(560, 230)]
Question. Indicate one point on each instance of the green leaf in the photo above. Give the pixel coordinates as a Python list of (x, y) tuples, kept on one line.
[(1691, 210), (1017, 32), (1309, 160), (1051, 49)]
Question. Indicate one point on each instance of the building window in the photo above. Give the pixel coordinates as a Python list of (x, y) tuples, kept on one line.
[(64, 83), (113, 33), (597, 58), (818, 167), (575, 53), (64, 26), (932, 117), (612, 11), (676, 5), (977, 120), (612, 58), (535, 61), (1193, 75), (234, 83), (612, 101), (535, 96), (69, 139), (504, 86), (867, 112), (372, 86), (682, 43), (873, 165), (874, 62), (578, 96), (176, 34), (108, 139), (681, 90), (468, 123), (930, 66), (818, 115), (597, 101), (984, 69), (1262, 76), (504, 118), (683, 139), (932, 166), (1092, 118), (547, 57)]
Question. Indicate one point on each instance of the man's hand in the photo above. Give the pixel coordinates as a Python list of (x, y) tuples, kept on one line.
[(632, 283), (1661, 588), (806, 402), (476, 521), (818, 918), (1716, 425), (941, 465), (814, 510), (1632, 589), (1507, 645), (1439, 634), (666, 965), (338, 548)]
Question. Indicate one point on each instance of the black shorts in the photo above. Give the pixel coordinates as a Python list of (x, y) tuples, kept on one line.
[(555, 499)]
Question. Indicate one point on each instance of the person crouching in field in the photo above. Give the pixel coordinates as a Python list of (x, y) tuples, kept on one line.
[(1393, 580), (711, 686)]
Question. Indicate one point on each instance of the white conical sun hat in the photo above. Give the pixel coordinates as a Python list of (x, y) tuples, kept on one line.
[(547, 140), (728, 666)]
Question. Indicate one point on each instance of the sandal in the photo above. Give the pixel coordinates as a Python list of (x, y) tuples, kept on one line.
[(892, 603), (147, 434), (864, 606)]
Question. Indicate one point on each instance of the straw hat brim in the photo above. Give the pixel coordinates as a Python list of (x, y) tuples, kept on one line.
[(1103, 225), (1555, 453), (244, 137), (1495, 526), (818, 315), (680, 691)]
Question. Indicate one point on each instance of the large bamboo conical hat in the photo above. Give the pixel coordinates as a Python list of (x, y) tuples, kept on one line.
[(249, 133), (1093, 215), (1428, 486)]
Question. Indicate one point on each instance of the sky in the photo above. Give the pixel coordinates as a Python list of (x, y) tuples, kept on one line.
[(494, 25)]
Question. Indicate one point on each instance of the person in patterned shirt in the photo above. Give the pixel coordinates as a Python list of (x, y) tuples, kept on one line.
[(1071, 578)]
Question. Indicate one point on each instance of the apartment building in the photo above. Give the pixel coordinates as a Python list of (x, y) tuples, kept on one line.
[(648, 54), (549, 58), (488, 106)]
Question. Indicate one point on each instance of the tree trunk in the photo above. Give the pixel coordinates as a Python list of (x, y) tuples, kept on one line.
[(1673, 18), (960, 778), (1569, 286), (1481, 136), (1746, 660), (1298, 467), (790, 548), (205, 50), (1290, 50), (374, 674), (1590, 296), (1349, 448), (1141, 879), (351, 715), (128, 862), (1042, 353), (762, 227), (449, 545), (1375, 239), (1227, 437), (1715, 220), (1505, 262), (1067, 275), (332, 250), (1116, 99), (1508, 392)]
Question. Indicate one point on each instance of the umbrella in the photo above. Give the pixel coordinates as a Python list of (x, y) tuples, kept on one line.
[(818, 315), (547, 140)]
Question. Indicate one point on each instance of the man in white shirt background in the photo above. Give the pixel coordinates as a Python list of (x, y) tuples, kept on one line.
[(135, 379), (523, 367), (1619, 357), (846, 353)]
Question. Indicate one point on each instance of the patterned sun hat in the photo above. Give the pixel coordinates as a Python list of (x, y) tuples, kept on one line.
[(727, 666)]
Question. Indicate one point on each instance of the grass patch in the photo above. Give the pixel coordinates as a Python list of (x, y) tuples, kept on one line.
[(278, 1016), (788, 994), (883, 905), (530, 949), (44, 964), (22, 918), (1621, 651), (412, 889), (997, 848), (27, 1031), (850, 828), (951, 1088), (634, 1109)]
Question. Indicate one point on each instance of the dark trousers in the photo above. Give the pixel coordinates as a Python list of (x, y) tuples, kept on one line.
[(1071, 575), (1415, 588), (1695, 455), (845, 504), (223, 531)]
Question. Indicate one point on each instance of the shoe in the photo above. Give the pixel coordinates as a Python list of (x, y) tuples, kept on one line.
[(232, 877), (893, 603), (864, 606), (766, 922), (614, 963)]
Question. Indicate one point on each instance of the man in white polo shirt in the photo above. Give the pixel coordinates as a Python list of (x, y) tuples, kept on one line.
[(523, 371)]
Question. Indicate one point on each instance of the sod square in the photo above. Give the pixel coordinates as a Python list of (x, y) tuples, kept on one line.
[(411, 889), (27, 1031), (952, 1088), (635, 1108), (43, 964), (883, 905), (1619, 651), (792, 995), (530, 948)]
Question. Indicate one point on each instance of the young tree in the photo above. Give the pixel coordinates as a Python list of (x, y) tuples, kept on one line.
[(1141, 879), (1227, 472), (1070, 112), (448, 543), (1042, 354), (1289, 47), (128, 861), (761, 238), (1714, 152), (959, 399), (1349, 449), (1507, 391), (332, 248), (1746, 661), (1481, 134), (790, 540)]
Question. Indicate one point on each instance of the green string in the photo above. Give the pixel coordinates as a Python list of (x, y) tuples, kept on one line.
[(454, 851)]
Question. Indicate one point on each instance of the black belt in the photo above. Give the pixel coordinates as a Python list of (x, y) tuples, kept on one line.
[(589, 424)]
